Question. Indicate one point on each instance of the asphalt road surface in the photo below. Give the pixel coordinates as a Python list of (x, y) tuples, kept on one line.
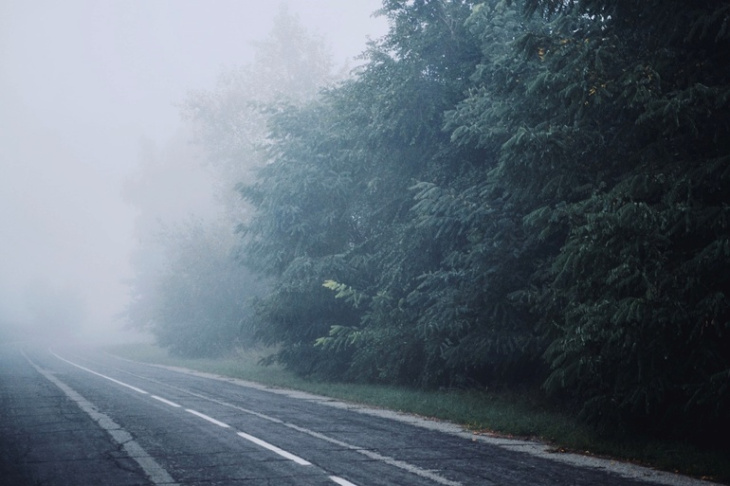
[(82, 417)]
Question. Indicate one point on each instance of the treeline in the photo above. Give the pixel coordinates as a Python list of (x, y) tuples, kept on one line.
[(512, 193)]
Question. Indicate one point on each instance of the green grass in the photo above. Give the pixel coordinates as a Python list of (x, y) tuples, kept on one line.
[(504, 414)]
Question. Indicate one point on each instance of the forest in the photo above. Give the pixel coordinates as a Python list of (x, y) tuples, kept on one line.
[(524, 194)]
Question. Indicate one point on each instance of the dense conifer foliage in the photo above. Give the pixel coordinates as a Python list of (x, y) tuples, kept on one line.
[(514, 194), (631, 157)]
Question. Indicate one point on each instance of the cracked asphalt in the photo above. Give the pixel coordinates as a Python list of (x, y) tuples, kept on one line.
[(82, 417)]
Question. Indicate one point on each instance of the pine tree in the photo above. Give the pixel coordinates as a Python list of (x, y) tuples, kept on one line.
[(618, 159)]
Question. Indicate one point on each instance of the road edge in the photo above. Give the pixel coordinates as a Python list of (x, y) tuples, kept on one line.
[(532, 447)]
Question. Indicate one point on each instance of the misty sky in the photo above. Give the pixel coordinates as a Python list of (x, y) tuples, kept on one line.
[(82, 83)]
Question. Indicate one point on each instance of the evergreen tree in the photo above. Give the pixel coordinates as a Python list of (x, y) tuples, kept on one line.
[(615, 151), (341, 171), (197, 305), (291, 65), (509, 192)]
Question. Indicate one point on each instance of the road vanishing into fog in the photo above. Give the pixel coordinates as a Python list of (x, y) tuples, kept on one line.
[(82, 417)]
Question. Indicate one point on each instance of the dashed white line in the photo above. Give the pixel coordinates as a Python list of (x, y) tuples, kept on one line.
[(275, 449), (410, 468), (138, 390), (341, 482), (208, 418), (165, 401), (360, 450), (296, 459), (157, 474), (255, 440)]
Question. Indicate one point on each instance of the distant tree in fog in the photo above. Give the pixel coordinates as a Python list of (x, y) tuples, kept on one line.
[(189, 288), (290, 67), (196, 304)]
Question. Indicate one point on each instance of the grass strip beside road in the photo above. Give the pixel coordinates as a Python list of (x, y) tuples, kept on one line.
[(482, 411)]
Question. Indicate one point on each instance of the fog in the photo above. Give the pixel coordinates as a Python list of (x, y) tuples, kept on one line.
[(88, 90)]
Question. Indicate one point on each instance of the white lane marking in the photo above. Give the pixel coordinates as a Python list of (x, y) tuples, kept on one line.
[(536, 449), (410, 468), (360, 450), (165, 401), (152, 468), (209, 419), (275, 449), (138, 390), (341, 482), (379, 457)]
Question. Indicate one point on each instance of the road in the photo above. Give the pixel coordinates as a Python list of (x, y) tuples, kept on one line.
[(82, 417)]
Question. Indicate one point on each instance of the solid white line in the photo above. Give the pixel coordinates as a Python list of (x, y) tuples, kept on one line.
[(152, 468), (138, 390), (342, 482), (168, 402), (275, 449), (208, 418)]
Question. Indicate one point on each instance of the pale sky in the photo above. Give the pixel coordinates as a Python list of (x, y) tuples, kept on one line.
[(82, 82)]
